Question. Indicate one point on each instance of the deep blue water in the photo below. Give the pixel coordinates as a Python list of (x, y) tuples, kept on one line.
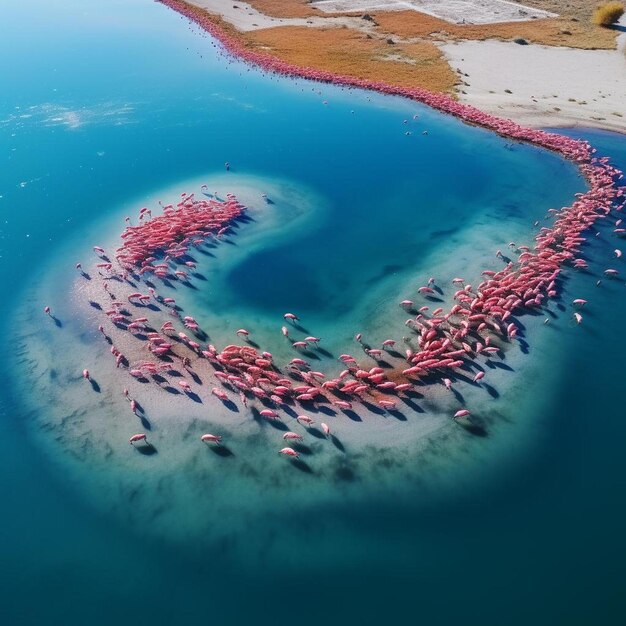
[(123, 98)]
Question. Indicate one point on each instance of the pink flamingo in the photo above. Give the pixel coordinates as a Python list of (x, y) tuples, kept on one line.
[(86, 375), (293, 436), (289, 452), (462, 413), (137, 438), (218, 393), (209, 438)]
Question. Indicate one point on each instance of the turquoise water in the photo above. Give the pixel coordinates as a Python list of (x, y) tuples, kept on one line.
[(107, 102)]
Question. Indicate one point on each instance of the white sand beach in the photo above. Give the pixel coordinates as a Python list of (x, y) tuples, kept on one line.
[(541, 85)]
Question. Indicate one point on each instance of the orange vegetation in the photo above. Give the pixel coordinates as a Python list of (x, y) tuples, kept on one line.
[(386, 55), (283, 8), (550, 32), (351, 52)]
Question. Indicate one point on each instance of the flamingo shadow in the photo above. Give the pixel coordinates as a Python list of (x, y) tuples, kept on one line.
[(458, 395), (337, 443), (302, 466), (350, 414), (221, 450), (326, 410), (399, 415), (325, 353), (500, 365), (302, 448), (412, 405), (474, 429), (492, 391), (147, 450), (94, 385), (196, 378)]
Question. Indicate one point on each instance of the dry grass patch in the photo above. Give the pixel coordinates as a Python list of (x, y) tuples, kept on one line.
[(283, 8), (350, 52), (608, 13), (550, 32)]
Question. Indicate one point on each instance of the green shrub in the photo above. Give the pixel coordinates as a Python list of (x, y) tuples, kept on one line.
[(608, 13)]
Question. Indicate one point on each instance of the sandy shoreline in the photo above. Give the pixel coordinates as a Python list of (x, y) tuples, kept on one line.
[(551, 86)]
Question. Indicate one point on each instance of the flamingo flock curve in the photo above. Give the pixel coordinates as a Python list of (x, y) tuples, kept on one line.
[(481, 322)]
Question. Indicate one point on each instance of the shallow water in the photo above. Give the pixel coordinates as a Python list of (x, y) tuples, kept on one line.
[(123, 101)]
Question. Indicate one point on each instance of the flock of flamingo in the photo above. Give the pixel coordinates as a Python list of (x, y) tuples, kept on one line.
[(480, 323)]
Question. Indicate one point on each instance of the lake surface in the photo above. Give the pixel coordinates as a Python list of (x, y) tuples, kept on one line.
[(109, 104)]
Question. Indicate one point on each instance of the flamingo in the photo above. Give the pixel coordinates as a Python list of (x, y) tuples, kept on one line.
[(303, 419), (462, 413), (291, 316), (219, 394), (294, 436), (185, 385), (209, 438), (86, 375), (326, 429), (242, 332), (138, 437), (289, 452)]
